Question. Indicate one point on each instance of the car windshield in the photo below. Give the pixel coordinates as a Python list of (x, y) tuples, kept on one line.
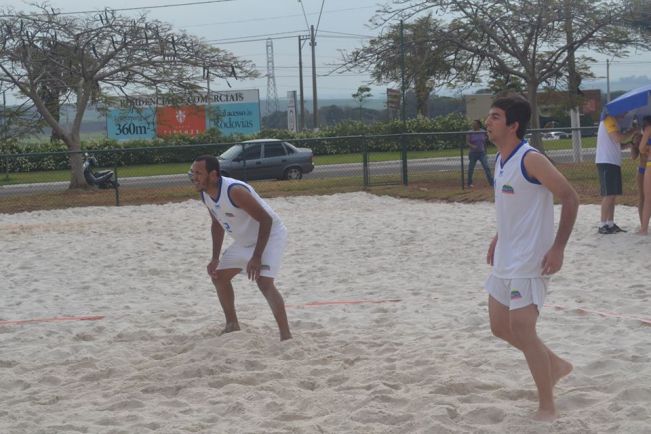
[(231, 153), (291, 147)]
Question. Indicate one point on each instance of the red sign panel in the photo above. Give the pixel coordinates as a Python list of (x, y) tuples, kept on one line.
[(188, 119)]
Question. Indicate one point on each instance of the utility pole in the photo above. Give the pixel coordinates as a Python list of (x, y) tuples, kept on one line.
[(207, 69), (403, 116), (300, 81), (572, 83), (314, 102), (607, 80)]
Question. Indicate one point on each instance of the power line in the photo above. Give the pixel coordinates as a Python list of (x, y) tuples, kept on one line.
[(171, 5), (274, 18), (293, 34)]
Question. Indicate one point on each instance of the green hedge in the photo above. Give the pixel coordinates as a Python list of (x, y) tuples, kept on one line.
[(339, 139)]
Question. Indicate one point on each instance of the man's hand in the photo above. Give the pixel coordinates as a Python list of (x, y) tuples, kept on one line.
[(253, 268), (552, 261), (212, 268), (491, 251)]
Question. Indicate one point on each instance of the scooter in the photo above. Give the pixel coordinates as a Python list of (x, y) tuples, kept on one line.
[(103, 180)]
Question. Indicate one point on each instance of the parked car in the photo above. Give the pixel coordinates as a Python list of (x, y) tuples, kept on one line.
[(555, 135), (266, 159)]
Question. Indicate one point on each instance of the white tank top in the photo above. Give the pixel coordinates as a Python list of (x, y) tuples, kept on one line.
[(236, 222), (525, 218)]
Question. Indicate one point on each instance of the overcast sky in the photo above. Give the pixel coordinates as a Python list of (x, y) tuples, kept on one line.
[(242, 27)]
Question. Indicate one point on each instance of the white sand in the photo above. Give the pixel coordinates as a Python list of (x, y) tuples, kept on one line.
[(426, 364)]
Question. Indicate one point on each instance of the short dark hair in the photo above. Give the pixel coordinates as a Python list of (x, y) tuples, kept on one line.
[(212, 163), (517, 109)]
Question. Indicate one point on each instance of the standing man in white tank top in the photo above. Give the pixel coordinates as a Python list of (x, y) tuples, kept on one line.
[(525, 251), (259, 239)]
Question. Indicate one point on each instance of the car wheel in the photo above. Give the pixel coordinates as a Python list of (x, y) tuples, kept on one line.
[(293, 173)]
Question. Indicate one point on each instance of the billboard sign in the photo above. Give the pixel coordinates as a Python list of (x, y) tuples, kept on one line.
[(185, 119), (146, 117), (131, 124)]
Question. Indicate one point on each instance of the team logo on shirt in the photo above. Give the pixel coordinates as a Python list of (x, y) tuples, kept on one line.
[(515, 295), (507, 189)]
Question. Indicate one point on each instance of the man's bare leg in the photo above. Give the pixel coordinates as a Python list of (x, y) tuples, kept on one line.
[(501, 327), (277, 305), (608, 208), (523, 329), (226, 297), (501, 321)]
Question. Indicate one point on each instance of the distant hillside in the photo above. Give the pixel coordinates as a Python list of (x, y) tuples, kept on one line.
[(371, 103)]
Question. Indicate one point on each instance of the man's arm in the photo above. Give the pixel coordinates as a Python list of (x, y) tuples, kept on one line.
[(242, 198), (217, 233), (490, 256), (621, 138), (644, 141), (539, 167)]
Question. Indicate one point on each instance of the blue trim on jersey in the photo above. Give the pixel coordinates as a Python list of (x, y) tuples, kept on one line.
[(524, 169), (228, 192), (219, 192), (522, 142)]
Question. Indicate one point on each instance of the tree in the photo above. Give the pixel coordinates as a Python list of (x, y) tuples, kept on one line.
[(526, 39), (51, 59), (363, 93), (429, 62)]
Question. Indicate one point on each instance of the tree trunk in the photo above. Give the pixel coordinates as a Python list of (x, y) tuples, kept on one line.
[(77, 179), (534, 124), (422, 99)]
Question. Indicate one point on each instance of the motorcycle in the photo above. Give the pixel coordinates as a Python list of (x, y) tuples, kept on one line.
[(103, 180)]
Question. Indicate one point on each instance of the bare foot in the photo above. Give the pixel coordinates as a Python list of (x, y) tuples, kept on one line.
[(560, 369), (545, 415), (284, 337), (230, 327)]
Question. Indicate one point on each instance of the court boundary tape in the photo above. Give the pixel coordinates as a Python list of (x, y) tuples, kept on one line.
[(55, 319), (340, 302), (601, 313), (334, 302)]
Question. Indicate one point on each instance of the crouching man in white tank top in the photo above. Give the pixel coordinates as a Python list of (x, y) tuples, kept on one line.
[(524, 252), (259, 240)]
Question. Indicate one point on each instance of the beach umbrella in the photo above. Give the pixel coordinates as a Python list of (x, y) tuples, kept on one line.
[(635, 103)]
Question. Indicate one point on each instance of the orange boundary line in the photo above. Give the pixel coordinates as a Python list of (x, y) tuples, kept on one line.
[(56, 319), (335, 302), (596, 312)]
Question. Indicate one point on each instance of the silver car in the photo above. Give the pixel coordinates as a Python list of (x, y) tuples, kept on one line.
[(266, 159)]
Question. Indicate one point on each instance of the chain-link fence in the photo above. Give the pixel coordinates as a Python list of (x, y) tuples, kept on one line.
[(159, 174)]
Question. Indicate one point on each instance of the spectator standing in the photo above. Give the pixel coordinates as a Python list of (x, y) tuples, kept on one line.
[(476, 141), (609, 161)]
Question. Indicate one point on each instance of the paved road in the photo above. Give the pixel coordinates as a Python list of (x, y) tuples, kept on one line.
[(320, 172)]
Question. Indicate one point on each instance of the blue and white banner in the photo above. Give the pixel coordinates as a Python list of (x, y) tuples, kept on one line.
[(131, 123)]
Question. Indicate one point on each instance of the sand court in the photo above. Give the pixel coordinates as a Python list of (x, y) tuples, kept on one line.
[(385, 303)]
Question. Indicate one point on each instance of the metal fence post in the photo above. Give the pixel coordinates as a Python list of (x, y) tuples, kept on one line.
[(117, 186), (462, 166), (365, 161), (405, 178), (7, 168)]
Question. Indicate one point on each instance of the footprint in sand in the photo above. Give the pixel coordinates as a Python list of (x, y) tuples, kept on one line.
[(485, 416)]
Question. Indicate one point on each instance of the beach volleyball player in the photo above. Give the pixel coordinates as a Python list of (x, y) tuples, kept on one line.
[(259, 240), (525, 251)]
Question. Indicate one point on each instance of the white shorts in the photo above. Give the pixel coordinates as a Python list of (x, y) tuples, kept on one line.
[(518, 293), (237, 256)]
